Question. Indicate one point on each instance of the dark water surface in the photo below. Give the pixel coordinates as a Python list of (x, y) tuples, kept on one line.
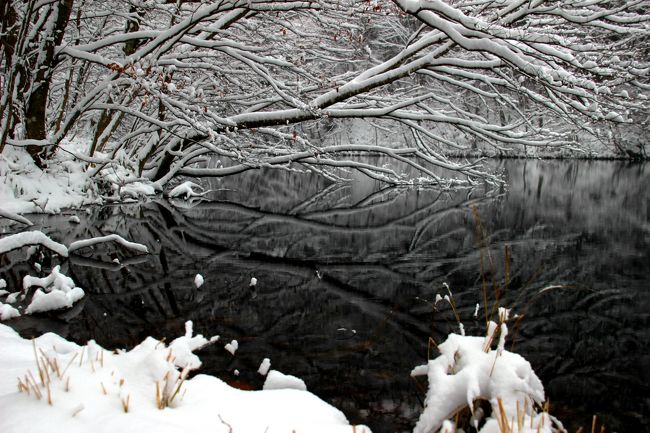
[(346, 272)]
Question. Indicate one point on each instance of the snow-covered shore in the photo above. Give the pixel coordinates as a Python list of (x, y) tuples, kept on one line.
[(75, 388), (51, 384)]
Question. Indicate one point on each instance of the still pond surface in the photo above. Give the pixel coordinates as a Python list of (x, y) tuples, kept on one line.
[(346, 275)]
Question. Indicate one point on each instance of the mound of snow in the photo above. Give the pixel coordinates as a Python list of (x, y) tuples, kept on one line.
[(277, 380), (8, 312), (63, 184), (466, 371), (88, 388), (56, 291)]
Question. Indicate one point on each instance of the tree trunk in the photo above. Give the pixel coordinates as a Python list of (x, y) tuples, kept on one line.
[(36, 105)]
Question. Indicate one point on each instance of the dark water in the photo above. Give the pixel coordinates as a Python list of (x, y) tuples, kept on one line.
[(345, 273)]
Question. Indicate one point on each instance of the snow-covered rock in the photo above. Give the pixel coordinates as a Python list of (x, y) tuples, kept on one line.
[(278, 380), (56, 291)]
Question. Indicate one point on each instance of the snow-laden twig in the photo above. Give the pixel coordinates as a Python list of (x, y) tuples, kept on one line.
[(186, 190), (108, 238), (15, 217), (19, 240)]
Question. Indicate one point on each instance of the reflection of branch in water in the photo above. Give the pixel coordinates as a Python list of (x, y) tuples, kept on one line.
[(426, 222), (321, 196), (376, 200), (109, 266)]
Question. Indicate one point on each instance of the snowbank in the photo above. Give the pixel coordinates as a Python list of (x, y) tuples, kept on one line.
[(26, 188), (88, 388)]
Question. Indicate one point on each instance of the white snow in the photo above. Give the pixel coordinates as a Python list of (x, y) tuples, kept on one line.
[(60, 292), (35, 237), (137, 190), (253, 282), (466, 371), (8, 312), (186, 190), (141, 390), (264, 367), (74, 219), (15, 217), (54, 300), (3, 283), (182, 348), (108, 238), (232, 347), (26, 188), (198, 280), (278, 380), (12, 297)]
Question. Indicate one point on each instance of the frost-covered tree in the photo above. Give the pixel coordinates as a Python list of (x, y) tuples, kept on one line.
[(161, 87)]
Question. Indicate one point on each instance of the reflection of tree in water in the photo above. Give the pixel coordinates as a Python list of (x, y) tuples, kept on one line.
[(343, 269)]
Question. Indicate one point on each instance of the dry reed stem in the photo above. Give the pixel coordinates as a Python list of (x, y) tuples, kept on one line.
[(228, 425), (47, 373), (69, 364), (45, 359), (22, 387), (593, 424), (49, 394), (125, 403), (77, 410), (431, 342), (38, 363), (158, 397), (479, 236), (103, 388), (56, 368), (502, 419), (32, 383)]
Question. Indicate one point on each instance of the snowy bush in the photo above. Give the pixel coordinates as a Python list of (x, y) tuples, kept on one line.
[(468, 371)]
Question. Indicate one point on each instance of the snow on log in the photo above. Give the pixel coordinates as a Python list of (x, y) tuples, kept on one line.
[(186, 190), (15, 217), (35, 237), (108, 238)]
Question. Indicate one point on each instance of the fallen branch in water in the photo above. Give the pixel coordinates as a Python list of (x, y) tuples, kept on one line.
[(15, 217), (108, 238)]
